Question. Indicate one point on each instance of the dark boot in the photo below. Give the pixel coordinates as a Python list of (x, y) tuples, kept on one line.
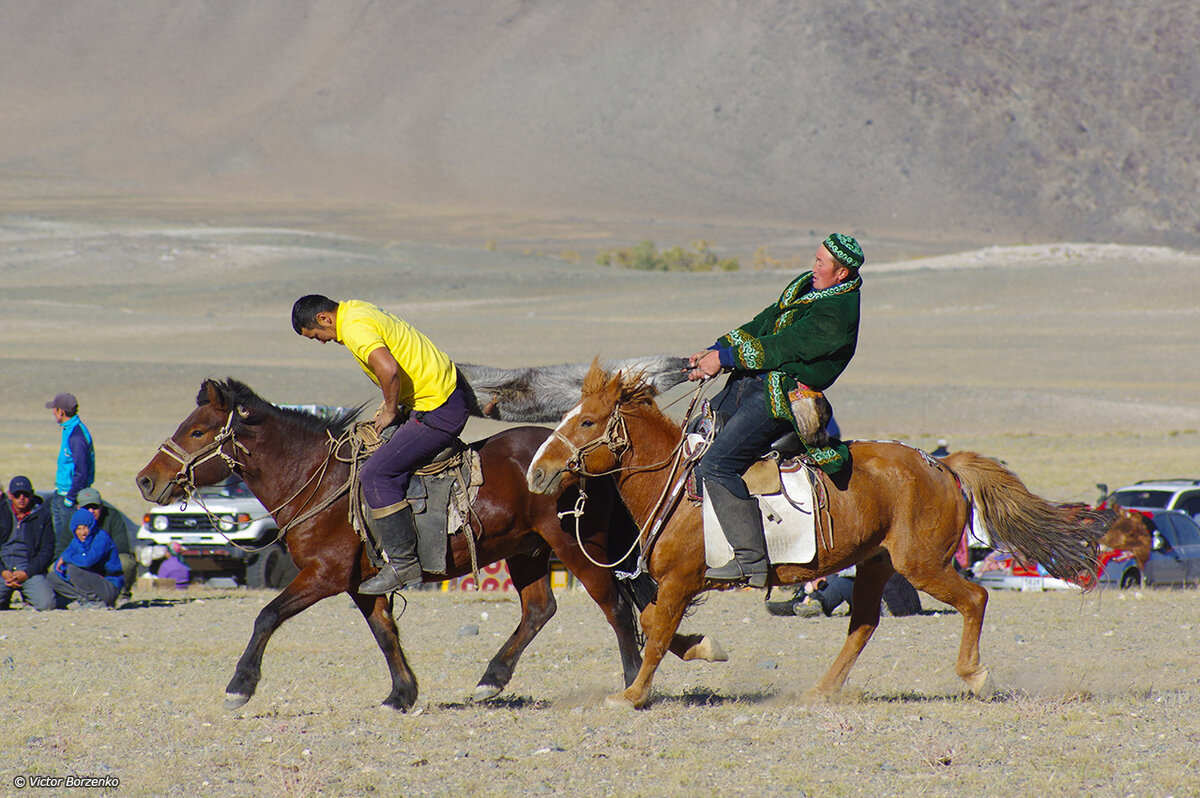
[(396, 533), (741, 520)]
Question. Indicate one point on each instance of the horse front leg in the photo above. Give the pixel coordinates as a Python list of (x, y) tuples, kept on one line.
[(601, 585), (305, 590), (870, 577), (660, 621), (378, 612), (531, 578)]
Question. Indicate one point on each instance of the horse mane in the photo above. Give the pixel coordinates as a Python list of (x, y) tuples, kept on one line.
[(239, 393), (631, 388)]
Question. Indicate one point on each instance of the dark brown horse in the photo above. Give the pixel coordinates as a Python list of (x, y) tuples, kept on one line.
[(900, 511), (286, 459)]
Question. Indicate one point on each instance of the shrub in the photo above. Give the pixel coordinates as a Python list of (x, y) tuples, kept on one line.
[(645, 257)]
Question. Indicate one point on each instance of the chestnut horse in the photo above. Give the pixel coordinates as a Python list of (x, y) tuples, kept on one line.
[(900, 511), (288, 461)]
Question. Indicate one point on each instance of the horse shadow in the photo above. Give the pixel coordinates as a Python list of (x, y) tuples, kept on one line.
[(142, 604)]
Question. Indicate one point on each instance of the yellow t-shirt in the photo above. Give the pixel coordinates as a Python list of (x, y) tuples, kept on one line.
[(427, 375)]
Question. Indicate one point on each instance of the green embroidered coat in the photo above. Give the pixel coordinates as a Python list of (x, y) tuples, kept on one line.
[(806, 338)]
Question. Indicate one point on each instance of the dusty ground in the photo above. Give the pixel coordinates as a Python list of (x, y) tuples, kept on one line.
[(1093, 701)]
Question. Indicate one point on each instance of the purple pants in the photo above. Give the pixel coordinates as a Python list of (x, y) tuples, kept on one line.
[(386, 473)]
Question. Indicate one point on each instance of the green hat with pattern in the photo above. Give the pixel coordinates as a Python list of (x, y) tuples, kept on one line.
[(845, 250)]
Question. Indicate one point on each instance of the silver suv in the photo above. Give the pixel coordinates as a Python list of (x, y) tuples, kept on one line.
[(235, 539), (1160, 494)]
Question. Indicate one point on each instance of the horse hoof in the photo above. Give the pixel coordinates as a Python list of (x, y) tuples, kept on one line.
[(485, 692), (814, 695), (708, 649), (235, 700), (981, 684), (622, 701)]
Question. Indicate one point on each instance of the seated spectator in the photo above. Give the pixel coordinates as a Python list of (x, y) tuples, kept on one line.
[(823, 596), (174, 568), (111, 521), (89, 570), (943, 448), (26, 546)]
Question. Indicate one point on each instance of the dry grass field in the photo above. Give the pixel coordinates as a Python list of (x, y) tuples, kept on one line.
[(1098, 696)]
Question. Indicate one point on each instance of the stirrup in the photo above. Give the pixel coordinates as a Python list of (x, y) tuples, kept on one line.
[(731, 572)]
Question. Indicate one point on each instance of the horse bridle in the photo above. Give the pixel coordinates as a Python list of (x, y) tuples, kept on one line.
[(185, 478), (189, 461), (615, 437)]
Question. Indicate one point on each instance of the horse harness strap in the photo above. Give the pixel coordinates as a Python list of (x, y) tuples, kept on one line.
[(615, 437), (189, 461)]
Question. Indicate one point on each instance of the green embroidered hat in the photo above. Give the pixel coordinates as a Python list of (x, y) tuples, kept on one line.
[(845, 250)]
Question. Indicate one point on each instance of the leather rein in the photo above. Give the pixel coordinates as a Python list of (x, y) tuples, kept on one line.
[(190, 461)]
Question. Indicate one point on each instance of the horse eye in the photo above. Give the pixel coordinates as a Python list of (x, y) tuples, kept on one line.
[(197, 433), (587, 423)]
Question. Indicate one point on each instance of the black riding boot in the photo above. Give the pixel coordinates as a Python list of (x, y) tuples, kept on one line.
[(741, 520), (396, 534)]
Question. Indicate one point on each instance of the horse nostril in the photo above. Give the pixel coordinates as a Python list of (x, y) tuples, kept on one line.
[(535, 478), (145, 485)]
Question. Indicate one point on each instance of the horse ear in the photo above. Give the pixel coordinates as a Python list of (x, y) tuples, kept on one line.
[(211, 393), (635, 390)]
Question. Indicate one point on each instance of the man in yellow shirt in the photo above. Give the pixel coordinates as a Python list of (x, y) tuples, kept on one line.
[(415, 377)]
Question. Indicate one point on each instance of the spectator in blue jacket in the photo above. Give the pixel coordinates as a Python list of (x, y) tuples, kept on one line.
[(26, 546), (76, 465), (89, 570)]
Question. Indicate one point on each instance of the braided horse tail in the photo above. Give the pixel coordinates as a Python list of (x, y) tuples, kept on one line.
[(1062, 538)]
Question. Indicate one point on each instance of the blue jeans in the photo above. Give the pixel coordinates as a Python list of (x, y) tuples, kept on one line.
[(747, 434), (386, 473), (61, 514)]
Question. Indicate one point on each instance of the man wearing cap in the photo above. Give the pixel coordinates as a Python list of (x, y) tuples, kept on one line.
[(26, 547), (781, 361), (112, 522), (76, 465)]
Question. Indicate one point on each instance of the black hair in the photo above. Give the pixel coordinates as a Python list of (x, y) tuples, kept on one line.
[(304, 312)]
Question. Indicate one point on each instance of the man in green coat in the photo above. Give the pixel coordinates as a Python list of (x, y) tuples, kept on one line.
[(786, 356)]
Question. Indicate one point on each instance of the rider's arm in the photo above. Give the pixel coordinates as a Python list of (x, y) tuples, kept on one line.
[(387, 374)]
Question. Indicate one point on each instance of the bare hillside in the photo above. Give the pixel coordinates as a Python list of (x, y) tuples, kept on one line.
[(994, 122)]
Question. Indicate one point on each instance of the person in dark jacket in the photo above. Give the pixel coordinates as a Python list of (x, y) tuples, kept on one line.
[(26, 546), (781, 361), (89, 570)]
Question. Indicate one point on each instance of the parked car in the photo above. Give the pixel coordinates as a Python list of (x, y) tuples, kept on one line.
[(224, 533), (1002, 570), (1160, 494), (1174, 560), (1175, 553)]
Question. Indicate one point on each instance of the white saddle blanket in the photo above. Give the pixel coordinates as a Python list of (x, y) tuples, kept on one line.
[(787, 521)]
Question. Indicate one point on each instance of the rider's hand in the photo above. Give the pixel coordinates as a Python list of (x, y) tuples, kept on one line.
[(704, 364), (384, 419)]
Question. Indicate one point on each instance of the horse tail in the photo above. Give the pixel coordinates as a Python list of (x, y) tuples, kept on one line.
[(1062, 538)]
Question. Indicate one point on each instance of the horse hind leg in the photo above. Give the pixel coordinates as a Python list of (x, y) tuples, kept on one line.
[(531, 577), (970, 600)]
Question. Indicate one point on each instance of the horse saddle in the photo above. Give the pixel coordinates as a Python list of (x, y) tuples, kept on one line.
[(785, 493), (441, 494)]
